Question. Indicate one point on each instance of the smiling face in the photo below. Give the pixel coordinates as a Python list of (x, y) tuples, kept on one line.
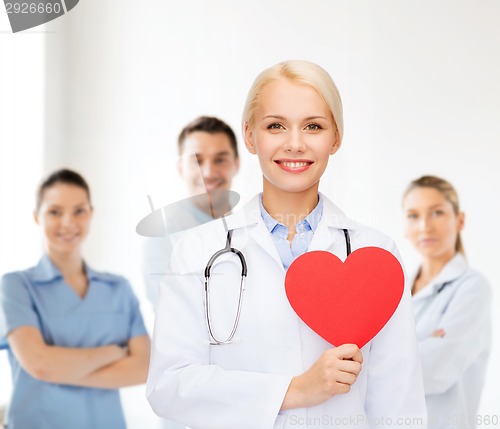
[(64, 216), (431, 223), (293, 134), (208, 162)]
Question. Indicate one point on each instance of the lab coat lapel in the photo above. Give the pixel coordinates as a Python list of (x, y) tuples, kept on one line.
[(453, 269), (260, 236), (332, 220), (250, 229), (322, 238)]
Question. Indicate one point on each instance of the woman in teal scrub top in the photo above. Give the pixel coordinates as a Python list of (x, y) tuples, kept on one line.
[(75, 335)]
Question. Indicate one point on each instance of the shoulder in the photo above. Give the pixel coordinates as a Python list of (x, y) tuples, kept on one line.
[(194, 247), (156, 246), (361, 235), (368, 236), (16, 278), (474, 283), (16, 286)]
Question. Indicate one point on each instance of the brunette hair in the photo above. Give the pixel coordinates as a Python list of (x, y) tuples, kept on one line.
[(63, 175), (207, 124)]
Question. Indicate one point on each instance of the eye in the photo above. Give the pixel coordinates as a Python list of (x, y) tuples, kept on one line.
[(80, 211), (54, 212), (313, 127), (436, 213), (275, 126), (411, 216), (220, 161), (193, 160)]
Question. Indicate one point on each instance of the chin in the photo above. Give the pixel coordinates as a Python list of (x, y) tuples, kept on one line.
[(294, 188)]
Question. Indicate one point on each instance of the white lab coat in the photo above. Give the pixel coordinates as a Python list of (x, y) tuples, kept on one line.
[(242, 385), (454, 366)]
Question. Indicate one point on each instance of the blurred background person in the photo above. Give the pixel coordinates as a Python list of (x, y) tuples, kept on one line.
[(451, 304), (75, 335), (208, 161)]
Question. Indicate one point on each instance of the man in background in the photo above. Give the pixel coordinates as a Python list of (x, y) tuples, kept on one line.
[(208, 161)]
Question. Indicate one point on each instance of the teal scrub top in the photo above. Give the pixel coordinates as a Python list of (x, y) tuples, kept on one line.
[(108, 314)]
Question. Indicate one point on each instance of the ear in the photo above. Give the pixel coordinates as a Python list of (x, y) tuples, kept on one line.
[(236, 166), (179, 167), (35, 217), (336, 143), (461, 221), (249, 139)]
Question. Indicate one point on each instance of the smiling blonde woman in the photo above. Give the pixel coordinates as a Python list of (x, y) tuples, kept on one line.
[(275, 372)]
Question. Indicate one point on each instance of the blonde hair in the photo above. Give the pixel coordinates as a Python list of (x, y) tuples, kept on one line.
[(303, 72), (447, 190)]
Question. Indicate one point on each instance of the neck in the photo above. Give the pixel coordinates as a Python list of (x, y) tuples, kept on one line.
[(431, 267), (289, 208), (69, 264)]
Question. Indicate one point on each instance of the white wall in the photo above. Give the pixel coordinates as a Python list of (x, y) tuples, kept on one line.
[(419, 81), (21, 145)]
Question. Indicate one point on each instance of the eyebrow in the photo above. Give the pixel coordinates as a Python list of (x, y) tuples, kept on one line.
[(222, 153), (431, 207), (58, 206), (309, 118)]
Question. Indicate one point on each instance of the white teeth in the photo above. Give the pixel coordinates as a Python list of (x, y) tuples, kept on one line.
[(295, 164)]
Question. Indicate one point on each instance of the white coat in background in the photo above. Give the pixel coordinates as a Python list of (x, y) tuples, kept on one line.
[(242, 385), (454, 366)]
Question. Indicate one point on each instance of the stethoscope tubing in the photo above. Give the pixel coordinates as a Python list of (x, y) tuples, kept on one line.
[(228, 249)]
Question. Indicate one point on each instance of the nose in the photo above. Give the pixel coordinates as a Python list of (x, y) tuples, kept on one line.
[(425, 223), (207, 169), (294, 142), (67, 220)]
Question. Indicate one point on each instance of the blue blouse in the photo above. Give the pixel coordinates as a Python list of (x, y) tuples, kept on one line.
[(305, 231), (108, 314)]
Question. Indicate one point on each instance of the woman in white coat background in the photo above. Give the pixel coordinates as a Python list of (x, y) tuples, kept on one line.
[(277, 372), (452, 305)]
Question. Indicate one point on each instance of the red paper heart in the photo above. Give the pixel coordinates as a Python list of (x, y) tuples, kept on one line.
[(346, 302)]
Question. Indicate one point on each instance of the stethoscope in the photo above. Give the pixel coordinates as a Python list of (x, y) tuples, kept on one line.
[(228, 249), (430, 299)]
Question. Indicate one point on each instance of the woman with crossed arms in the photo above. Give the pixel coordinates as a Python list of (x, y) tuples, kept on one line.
[(75, 335)]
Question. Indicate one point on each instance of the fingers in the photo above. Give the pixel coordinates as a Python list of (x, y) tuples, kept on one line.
[(350, 367), (358, 357), (343, 388), (349, 351), (347, 378), (341, 369)]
